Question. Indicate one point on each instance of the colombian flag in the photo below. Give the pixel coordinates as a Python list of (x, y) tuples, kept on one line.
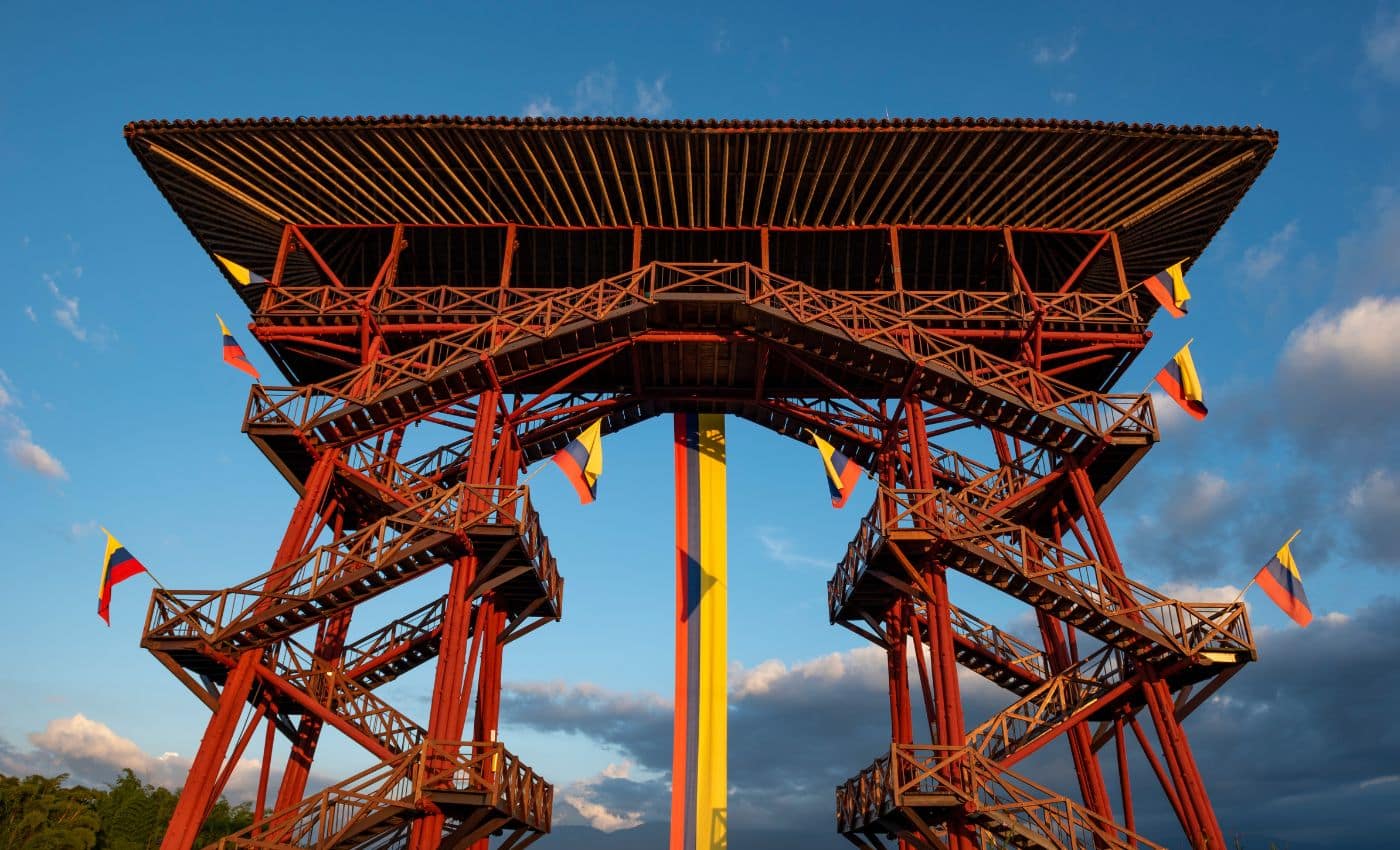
[(841, 471), (1280, 579), (1169, 288), (1181, 382), (242, 274), (233, 352), (582, 461), (117, 566)]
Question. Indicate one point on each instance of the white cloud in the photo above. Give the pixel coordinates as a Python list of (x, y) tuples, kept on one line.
[(29, 312), (1170, 416), (652, 100), (541, 107), (1045, 54), (1361, 342), (91, 752), (1382, 45), (82, 529), (1191, 592), (1064, 98), (862, 663), (1380, 487), (582, 796), (1261, 260), (66, 313), (596, 93), (780, 548), (21, 446), (1373, 506), (32, 456)]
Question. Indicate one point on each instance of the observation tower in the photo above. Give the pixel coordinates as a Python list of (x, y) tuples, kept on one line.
[(504, 283)]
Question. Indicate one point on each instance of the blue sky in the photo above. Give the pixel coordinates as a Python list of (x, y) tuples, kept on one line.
[(116, 410)]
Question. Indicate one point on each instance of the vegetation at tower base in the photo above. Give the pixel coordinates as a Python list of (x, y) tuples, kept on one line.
[(41, 813)]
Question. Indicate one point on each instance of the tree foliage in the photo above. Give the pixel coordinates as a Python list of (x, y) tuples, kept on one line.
[(42, 813)]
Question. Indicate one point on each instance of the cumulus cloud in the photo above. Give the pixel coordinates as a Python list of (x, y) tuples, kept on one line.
[(92, 753), (652, 99), (1184, 522), (1342, 360), (798, 729), (587, 797), (1382, 45), (1373, 506), (1261, 260), (29, 313)]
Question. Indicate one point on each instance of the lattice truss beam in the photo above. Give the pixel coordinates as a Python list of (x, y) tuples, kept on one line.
[(504, 376)]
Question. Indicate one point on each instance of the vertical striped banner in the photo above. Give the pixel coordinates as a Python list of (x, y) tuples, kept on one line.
[(699, 764)]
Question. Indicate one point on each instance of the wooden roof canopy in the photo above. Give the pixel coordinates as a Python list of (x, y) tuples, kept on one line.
[(1165, 190)]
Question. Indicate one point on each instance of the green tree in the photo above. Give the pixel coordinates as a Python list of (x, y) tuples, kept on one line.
[(38, 813)]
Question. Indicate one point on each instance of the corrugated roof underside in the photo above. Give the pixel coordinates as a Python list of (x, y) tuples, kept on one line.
[(1166, 190)]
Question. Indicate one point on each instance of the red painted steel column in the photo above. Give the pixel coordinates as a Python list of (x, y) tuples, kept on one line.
[(897, 666), (202, 788), (448, 711), (1201, 824), (947, 693)]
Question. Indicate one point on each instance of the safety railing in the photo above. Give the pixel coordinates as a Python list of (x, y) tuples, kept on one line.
[(436, 530), (941, 781), (539, 315), (1186, 629), (395, 792), (329, 685)]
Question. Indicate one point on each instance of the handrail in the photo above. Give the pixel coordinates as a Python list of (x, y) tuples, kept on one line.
[(535, 316), (220, 616), (961, 779), (404, 783), (1185, 629)]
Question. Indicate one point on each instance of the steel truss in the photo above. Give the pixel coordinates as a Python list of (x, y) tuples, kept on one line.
[(513, 374)]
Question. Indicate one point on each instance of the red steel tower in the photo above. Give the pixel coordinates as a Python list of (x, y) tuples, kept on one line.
[(505, 283)]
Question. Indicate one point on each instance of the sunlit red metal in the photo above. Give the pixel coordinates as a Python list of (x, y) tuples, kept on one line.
[(622, 291)]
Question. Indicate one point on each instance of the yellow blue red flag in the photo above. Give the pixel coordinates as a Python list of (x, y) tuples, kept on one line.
[(582, 462), (841, 471), (1181, 382), (1281, 580), (117, 566), (233, 352), (242, 274), (1169, 288)]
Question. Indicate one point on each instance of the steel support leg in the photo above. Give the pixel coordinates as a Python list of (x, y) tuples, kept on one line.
[(202, 788)]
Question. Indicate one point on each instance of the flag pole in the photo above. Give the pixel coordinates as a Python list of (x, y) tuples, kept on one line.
[(1256, 575), (1147, 389), (532, 474)]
